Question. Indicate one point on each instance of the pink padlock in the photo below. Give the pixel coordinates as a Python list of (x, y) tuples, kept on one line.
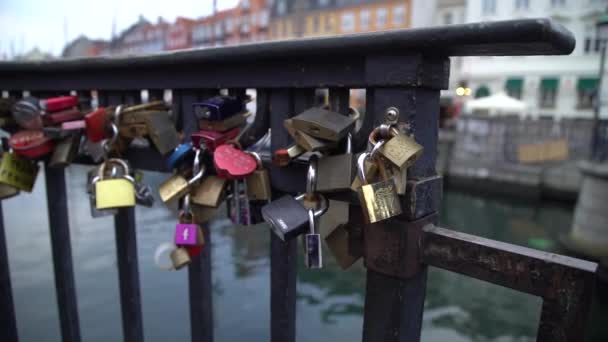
[(73, 125), (188, 234)]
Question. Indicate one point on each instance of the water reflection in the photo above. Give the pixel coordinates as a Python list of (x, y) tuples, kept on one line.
[(329, 301)]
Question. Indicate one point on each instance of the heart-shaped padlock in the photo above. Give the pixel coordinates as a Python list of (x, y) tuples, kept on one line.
[(232, 163), (31, 144)]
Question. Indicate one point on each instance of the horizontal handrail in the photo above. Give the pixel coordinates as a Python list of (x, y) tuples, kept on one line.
[(510, 37)]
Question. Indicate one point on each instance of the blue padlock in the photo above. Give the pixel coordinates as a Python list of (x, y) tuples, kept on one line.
[(181, 153), (218, 108)]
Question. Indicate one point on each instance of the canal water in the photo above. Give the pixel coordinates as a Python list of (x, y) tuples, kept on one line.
[(330, 301)]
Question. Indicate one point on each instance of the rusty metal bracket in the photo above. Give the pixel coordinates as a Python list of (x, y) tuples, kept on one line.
[(422, 197), (392, 247)]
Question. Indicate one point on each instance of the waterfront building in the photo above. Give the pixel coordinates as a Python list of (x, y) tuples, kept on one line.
[(564, 86)]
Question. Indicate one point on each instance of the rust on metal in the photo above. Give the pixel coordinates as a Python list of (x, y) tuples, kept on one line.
[(564, 283), (392, 246)]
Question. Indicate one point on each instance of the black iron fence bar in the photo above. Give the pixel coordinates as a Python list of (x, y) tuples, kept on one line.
[(59, 231), (8, 321), (126, 253), (318, 62), (564, 283)]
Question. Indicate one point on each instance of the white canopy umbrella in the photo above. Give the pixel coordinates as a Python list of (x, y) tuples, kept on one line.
[(499, 103)]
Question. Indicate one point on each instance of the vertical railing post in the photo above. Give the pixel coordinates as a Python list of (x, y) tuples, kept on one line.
[(283, 255), (394, 306), (199, 270), (59, 231), (126, 252), (59, 226), (8, 322)]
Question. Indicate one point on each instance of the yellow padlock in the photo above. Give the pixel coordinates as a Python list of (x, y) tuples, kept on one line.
[(115, 192)]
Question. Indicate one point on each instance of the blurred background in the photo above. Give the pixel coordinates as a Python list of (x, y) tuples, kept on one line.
[(513, 131)]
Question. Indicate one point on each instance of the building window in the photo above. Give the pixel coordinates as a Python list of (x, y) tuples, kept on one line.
[(522, 4), (548, 92), (482, 91), (592, 43), (448, 18), (399, 15), (514, 87), (558, 3), (488, 7), (282, 7), (347, 22), (381, 14), (587, 92), (364, 17), (263, 18)]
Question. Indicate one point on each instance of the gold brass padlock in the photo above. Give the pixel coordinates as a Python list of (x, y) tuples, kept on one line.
[(18, 172), (180, 258), (114, 192), (258, 183), (161, 131), (399, 149), (202, 213), (209, 192), (7, 191), (65, 150), (177, 185), (379, 200)]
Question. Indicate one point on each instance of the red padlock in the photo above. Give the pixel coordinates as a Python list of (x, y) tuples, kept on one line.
[(232, 163), (194, 251), (31, 144), (62, 116), (213, 139), (96, 125), (55, 104)]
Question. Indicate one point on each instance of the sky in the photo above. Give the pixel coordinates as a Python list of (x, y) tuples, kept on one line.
[(25, 24)]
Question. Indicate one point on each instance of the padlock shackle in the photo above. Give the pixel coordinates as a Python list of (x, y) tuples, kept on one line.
[(311, 221), (384, 131), (361, 167), (257, 158), (349, 143), (115, 161), (311, 175), (158, 253)]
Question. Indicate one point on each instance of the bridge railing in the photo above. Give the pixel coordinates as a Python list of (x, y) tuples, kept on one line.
[(404, 69)]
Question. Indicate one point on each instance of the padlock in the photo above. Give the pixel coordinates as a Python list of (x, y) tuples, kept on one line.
[(18, 172), (27, 113), (283, 157), (345, 242), (399, 149), (150, 106), (116, 192), (335, 173), (209, 192), (187, 232), (258, 183), (95, 213), (203, 213), (62, 116), (213, 139), (177, 185), (312, 144), (71, 126), (95, 150), (238, 120), (180, 258), (321, 123), (96, 123), (161, 131), (143, 192), (7, 191), (233, 163), (371, 171), (288, 218), (65, 151), (379, 200), (31, 144), (313, 257), (55, 104), (133, 131), (238, 203), (181, 154), (218, 108)]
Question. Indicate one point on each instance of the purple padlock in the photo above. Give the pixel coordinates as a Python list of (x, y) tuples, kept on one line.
[(188, 234)]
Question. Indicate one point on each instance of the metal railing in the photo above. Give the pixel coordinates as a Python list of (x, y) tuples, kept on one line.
[(405, 69)]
